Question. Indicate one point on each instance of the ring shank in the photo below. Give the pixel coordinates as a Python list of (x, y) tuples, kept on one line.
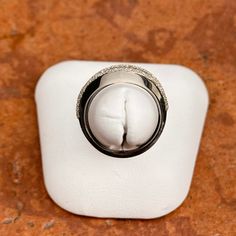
[(101, 80)]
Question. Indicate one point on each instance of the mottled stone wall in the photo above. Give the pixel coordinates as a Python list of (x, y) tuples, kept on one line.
[(35, 34)]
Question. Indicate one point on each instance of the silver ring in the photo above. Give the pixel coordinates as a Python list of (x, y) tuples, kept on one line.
[(103, 79)]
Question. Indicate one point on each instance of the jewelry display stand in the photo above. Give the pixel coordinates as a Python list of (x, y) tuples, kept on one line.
[(84, 181)]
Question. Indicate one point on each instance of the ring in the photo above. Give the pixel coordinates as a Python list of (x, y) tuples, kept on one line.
[(122, 110)]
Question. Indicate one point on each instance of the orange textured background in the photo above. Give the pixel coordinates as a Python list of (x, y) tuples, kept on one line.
[(35, 34)]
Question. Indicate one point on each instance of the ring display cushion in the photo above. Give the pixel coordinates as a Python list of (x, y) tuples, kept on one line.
[(84, 181)]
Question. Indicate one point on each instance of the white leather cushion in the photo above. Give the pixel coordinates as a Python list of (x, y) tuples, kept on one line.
[(123, 116)]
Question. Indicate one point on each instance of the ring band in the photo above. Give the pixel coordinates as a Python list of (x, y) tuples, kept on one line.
[(95, 84)]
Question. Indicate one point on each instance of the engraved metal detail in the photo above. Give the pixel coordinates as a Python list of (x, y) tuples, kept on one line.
[(127, 68)]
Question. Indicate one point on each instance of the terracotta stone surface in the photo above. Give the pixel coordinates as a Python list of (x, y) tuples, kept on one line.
[(35, 34)]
